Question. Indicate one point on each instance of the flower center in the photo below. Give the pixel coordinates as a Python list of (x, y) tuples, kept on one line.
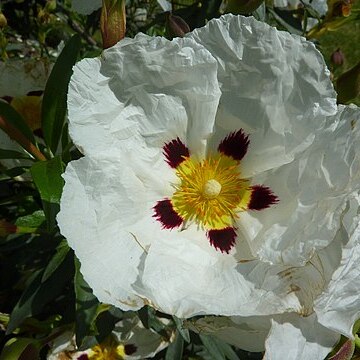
[(211, 191), (211, 188)]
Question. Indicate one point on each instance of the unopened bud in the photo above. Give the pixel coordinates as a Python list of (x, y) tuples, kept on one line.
[(3, 21), (348, 85), (112, 22), (176, 26), (242, 6), (345, 352), (337, 57)]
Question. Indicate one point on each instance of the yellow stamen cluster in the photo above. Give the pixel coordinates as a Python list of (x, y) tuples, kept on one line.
[(211, 191), (107, 350)]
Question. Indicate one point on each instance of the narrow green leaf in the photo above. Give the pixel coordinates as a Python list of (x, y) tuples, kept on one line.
[(150, 320), (218, 349), (34, 220), (38, 293), (176, 348), (16, 347), (60, 255), (184, 332), (15, 171), (11, 154), (16, 120), (48, 180), (86, 308), (54, 100)]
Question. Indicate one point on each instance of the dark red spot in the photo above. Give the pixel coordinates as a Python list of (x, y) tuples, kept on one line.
[(83, 357), (261, 198), (223, 239), (175, 152), (7, 98), (130, 349), (165, 213), (35, 93), (235, 145)]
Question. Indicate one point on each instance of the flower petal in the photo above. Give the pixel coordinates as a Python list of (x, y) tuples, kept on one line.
[(104, 204), (338, 307), (275, 86), (148, 90), (312, 192), (299, 338)]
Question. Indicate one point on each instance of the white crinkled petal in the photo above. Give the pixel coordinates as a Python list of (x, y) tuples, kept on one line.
[(274, 85), (298, 338), (86, 7), (149, 88), (338, 307), (312, 191), (247, 333), (319, 5), (106, 216), (208, 282)]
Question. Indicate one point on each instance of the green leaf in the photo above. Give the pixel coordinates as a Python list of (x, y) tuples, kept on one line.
[(15, 171), (53, 109), (149, 319), (218, 349), (184, 332), (16, 347), (86, 309), (176, 348), (16, 120), (11, 154), (34, 220), (60, 255), (38, 293), (48, 180)]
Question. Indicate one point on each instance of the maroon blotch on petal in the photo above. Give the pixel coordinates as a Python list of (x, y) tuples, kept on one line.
[(165, 213), (235, 145), (175, 152), (223, 239), (83, 357), (130, 349), (261, 198)]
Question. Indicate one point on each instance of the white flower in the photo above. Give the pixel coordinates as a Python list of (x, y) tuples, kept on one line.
[(129, 340), (219, 178), (319, 5)]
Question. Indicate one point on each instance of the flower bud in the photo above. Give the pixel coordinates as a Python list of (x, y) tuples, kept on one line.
[(242, 6), (112, 22), (176, 26), (348, 85), (3, 20), (345, 352), (337, 57)]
